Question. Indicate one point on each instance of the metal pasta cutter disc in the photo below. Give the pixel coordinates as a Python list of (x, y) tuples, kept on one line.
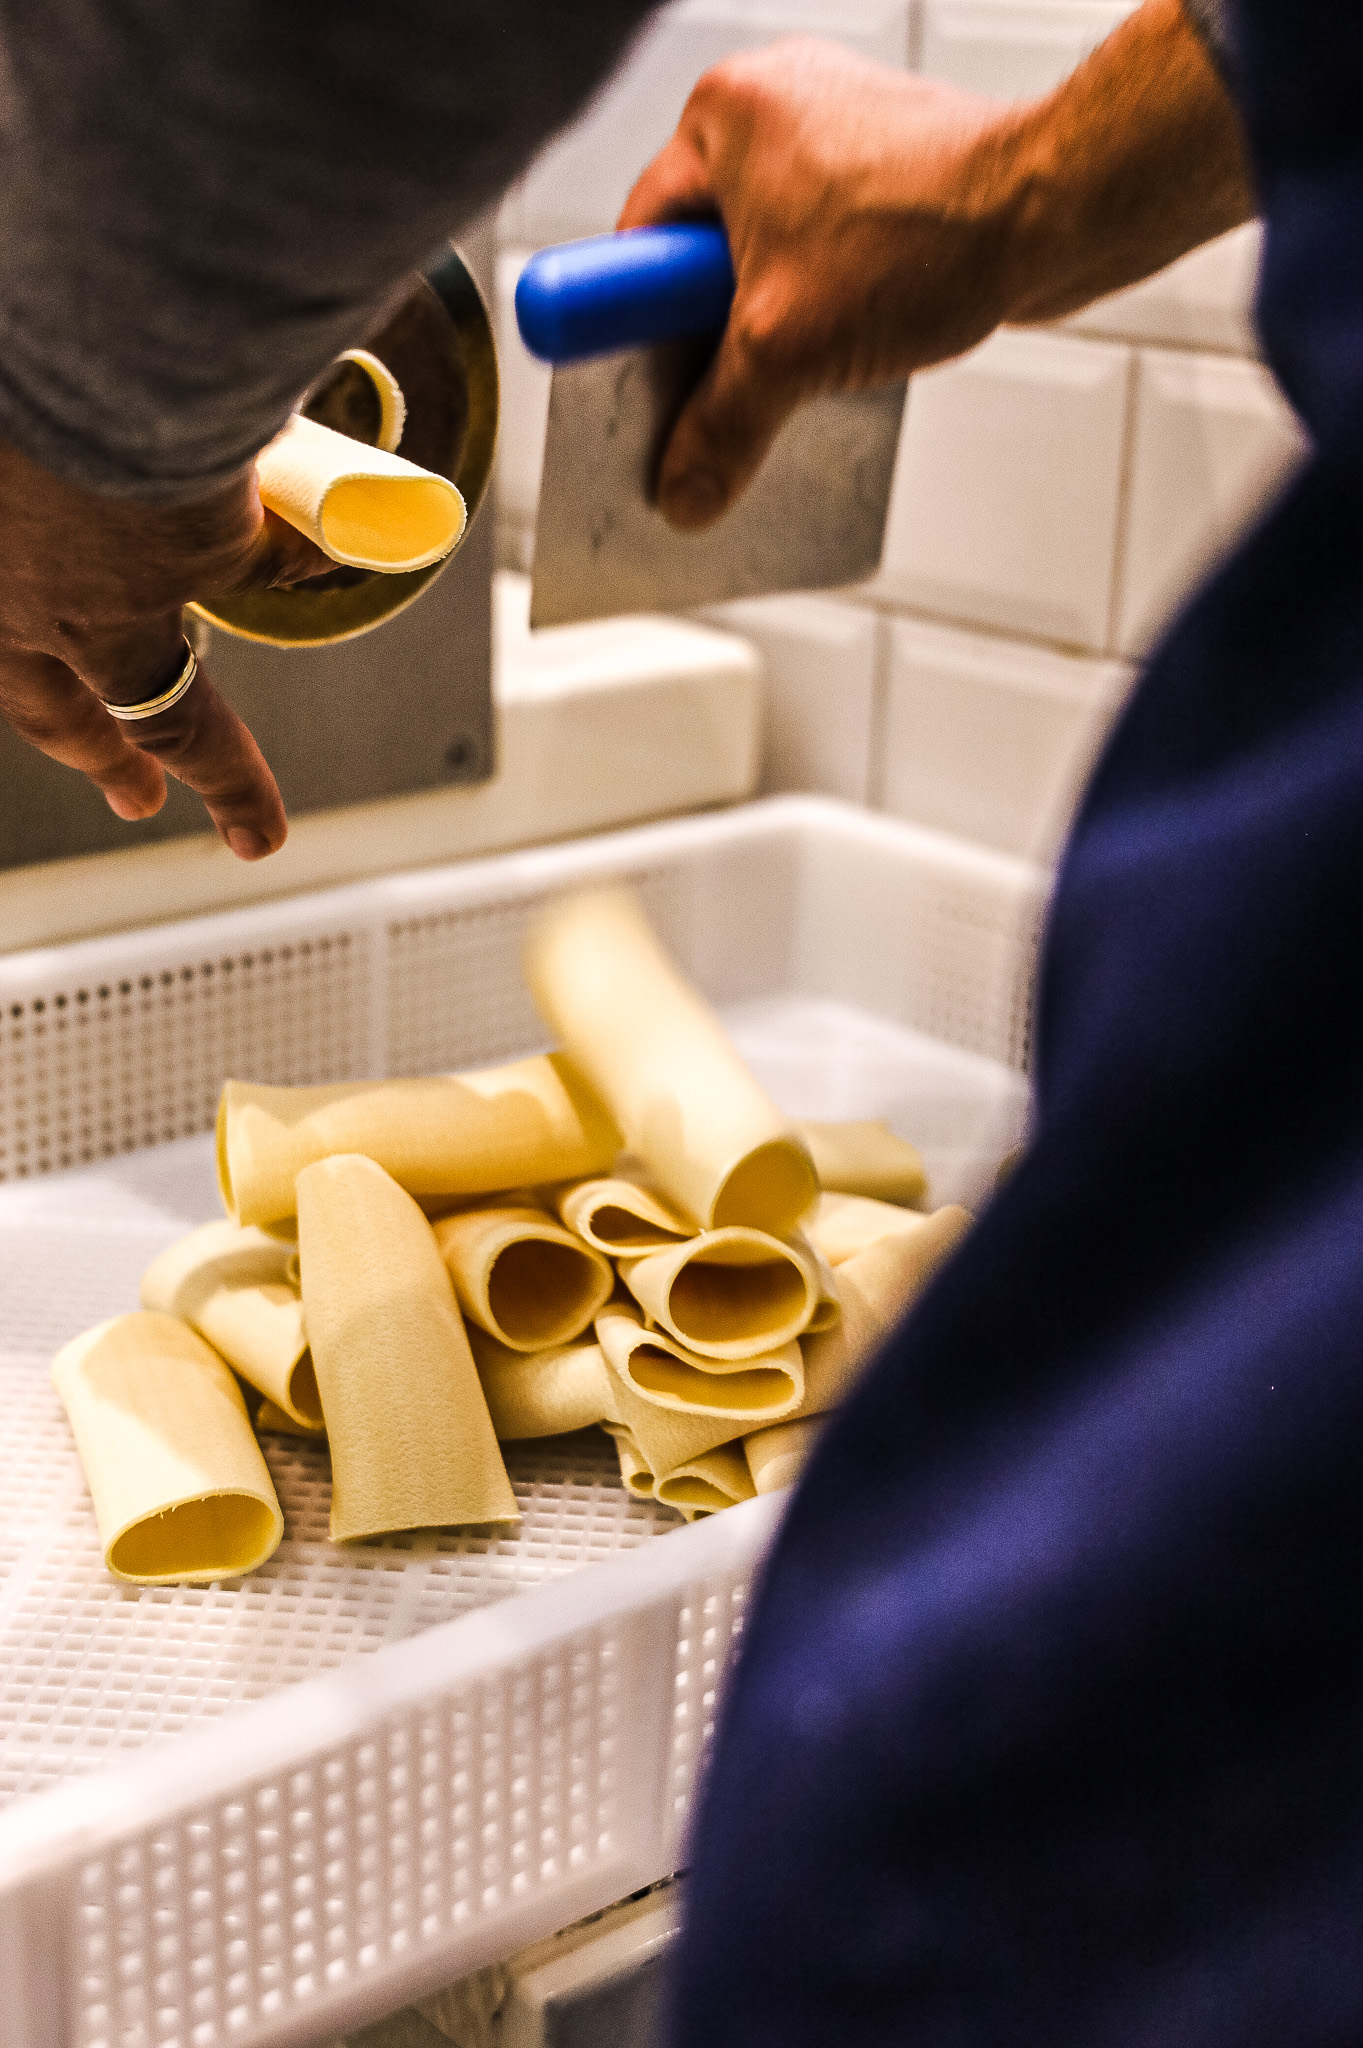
[(813, 518)]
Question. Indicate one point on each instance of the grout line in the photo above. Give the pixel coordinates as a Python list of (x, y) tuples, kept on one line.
[(1117, 586), (878, 736)]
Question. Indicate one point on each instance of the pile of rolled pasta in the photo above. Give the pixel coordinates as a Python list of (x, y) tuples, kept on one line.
[(623, 1233)]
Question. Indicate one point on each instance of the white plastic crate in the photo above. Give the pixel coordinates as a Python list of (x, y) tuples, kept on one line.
[(266, 1811)]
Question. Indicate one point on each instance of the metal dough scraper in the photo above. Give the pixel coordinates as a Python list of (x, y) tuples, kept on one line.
[(630, 322)]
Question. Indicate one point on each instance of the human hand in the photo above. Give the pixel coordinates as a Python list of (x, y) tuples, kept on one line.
[(869, 214), (881, 222), (90, 613)]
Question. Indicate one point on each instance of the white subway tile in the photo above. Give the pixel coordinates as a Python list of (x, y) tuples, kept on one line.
[(1012, 49), (524, 415), (992, 739), (821, 662), (1213, 438), (1205, 300), (579, 183), (1005, 501)]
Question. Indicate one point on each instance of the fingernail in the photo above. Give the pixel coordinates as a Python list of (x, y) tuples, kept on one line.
[(247, 844), (694, 498)]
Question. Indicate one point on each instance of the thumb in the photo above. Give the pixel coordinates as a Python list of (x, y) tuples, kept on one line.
[(726, 427)]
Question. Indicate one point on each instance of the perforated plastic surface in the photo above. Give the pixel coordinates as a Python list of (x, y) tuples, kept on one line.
[(450, 1792)]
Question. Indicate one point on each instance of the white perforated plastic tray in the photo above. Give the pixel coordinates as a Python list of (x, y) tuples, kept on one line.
[(226, 1844)]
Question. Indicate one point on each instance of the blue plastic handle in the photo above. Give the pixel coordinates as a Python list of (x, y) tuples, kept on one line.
[(623, 291)]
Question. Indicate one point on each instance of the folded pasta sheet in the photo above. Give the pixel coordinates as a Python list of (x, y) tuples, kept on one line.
[(654, 1051), (236, 1287), (180, 1489), (876, 1286), (730, 1293), (412, 1444), (777, 1456), (360, 505), (866, 1159), (275, 1421), (621, 1216), (716, 1479), (455, 1134), (522, 1277), (542, 1393), (635, 1475), (663, 1438), (845, 1224), (660, 1369)]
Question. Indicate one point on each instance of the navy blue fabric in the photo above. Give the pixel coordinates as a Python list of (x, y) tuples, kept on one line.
[(1048, 1730)]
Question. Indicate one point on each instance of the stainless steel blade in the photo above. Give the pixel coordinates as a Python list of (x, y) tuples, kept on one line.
[(813, 518)]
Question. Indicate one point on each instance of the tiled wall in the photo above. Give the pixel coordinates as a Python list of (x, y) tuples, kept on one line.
[(1058, 491)]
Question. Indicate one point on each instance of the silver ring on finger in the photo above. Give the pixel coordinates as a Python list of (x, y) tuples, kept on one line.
[(151, 707)]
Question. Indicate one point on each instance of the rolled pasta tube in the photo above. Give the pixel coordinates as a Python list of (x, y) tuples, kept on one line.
[(635, 1475), (412, 1444), (278, 1422), (731, 1293), (618, 1216), (235, 1287), (715, 1480), (363, 506), (718, 1148), (866, 1159), (876, 1285), (777, 1456), (180, 1489), (454, 1134), (660, 1370), (522, 1277), (845, 1224), (541, 1393), (663, 1437)]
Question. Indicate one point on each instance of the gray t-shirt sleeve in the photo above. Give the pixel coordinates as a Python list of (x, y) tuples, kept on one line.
[(199, 206)]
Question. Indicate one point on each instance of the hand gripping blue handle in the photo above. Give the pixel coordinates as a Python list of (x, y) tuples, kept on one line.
[(623, 291)]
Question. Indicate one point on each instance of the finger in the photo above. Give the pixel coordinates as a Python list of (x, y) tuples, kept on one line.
[(50, 707), (199, 740), (202, 743), (675, 186), (280, 557), (727, 425)]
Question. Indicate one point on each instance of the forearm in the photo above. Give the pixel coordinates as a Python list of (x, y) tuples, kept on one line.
[(1135, 159)]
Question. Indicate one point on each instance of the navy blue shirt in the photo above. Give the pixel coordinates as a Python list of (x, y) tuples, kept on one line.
[(1048, 1728)]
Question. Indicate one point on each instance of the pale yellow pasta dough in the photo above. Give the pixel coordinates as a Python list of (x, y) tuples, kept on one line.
[(412, 1444), (542, 1393), (664, 1438), (717, 1147), (180, 1489), (521, 1276), (635, 1475), (617, 1215), (363, 506), (731, 1293), (776, 1456), (454, 1134), (236, 1287), (876, 1286), (866, 1159), (714, 1480), (277, 1422), (661, 1370), (845, 1224)]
